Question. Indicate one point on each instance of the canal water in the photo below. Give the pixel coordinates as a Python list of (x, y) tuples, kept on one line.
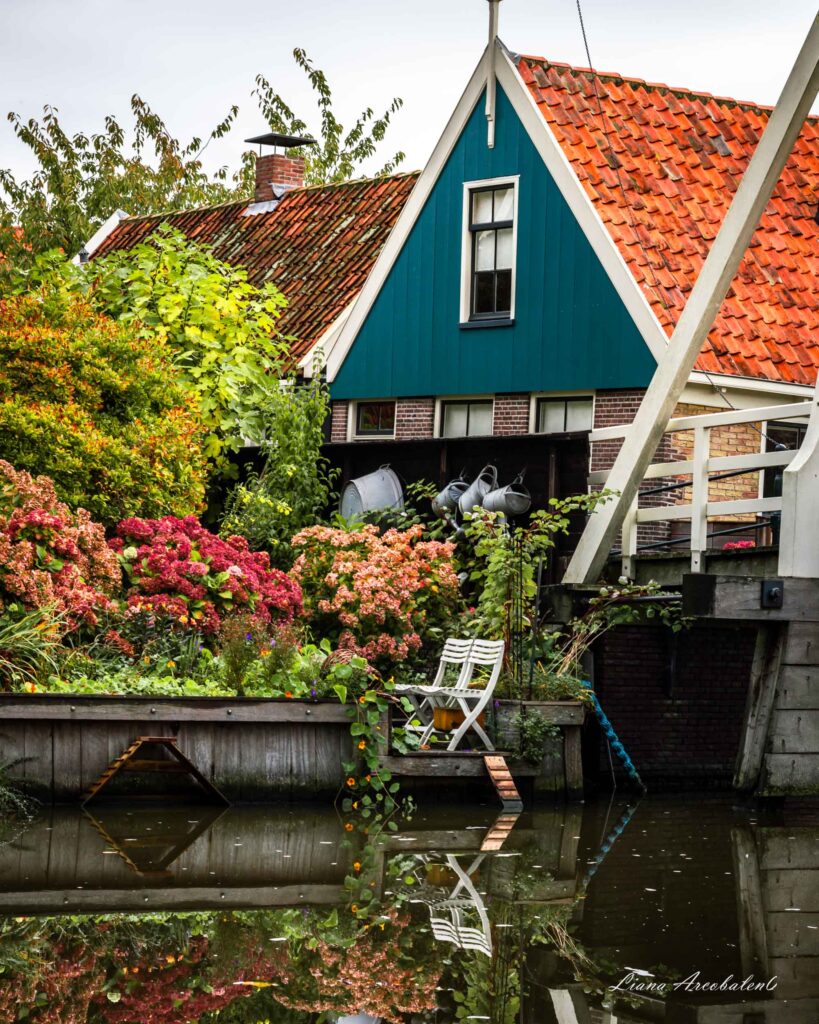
[(690, 911)]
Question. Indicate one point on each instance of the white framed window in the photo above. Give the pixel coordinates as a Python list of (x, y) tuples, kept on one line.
[(488, 252), (465, 417), (562, 414), (372, 419)]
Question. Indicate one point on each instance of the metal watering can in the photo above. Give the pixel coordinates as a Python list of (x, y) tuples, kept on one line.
[(484, 482), (512, 500), (446, 501)]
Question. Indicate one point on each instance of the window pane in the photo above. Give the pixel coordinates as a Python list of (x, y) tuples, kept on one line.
[(503, 295), (579, 415), (504, 249), (551, 417), (484, 293), (455, 419), (485, 250), (376, 418), (504, 204), (480, 418), (481, 207)]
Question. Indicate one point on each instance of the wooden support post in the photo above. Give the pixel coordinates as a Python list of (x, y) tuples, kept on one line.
[(697, 318), (629, 542), (699, 498), (798, 536), (770, 640), (573, 762), (753, 939)]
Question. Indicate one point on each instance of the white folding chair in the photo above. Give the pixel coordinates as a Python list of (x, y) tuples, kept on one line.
[(456, 930), (465, 695), (455, 653)]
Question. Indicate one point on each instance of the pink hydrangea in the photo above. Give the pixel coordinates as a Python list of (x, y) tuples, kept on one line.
[(50, 556), (375, 595), (178, 570)]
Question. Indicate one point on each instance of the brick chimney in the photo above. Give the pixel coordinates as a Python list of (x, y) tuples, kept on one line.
[(275, 173)]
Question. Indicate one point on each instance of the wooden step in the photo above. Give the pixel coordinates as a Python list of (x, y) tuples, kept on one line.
[(149, 765), (498, 833), (503, 782)]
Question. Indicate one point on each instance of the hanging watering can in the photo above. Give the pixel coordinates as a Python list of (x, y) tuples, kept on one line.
[(446, 501), (484, 482), (512, 500), (378, 490)]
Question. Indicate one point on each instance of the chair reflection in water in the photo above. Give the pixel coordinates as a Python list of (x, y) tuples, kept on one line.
[(461, 918)]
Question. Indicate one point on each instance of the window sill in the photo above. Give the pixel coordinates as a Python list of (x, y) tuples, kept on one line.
[(471, 325)]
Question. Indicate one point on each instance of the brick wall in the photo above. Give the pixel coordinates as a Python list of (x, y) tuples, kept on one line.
[(277, 169), (414, 418), (338, 421), (680, 725), (511, 414)]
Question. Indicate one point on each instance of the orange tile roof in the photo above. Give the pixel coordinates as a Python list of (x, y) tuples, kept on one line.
[(679, 156), (317, 246)]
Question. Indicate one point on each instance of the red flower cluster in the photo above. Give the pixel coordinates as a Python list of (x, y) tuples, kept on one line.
[(179, 570), (50, 556)]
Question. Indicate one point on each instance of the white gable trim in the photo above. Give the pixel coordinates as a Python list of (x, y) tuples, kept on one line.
[(326, 343), (102, 232), (406, 221), (581, 206)]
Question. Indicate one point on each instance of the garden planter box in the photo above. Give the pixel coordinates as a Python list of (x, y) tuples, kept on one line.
[(561, 767), (250, 749)]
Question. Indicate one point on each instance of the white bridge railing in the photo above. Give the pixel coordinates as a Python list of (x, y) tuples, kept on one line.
[(704, 469)]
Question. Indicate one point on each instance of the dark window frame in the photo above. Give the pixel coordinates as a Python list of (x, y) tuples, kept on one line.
[(566, 401), (468, 402), (379, 431), (475, 227), (772, 477)]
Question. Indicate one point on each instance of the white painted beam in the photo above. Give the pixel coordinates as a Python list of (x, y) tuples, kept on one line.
[(677, 362), (798, 535)]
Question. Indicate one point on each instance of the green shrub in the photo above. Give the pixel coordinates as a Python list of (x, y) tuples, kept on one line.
[(86, 403)]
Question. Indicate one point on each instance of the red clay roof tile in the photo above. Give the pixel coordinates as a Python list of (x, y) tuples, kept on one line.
[(317, 246), (676, 188)]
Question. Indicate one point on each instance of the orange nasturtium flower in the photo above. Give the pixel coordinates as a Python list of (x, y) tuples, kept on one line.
[(348, 827), (289, 695), (362, 745), (351, 782), (357, 866), (354, 908)]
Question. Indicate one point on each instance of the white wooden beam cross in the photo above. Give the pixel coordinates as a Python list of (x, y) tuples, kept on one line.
[(697, 319)]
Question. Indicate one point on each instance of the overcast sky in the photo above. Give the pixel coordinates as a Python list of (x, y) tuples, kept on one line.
[(191, 60)]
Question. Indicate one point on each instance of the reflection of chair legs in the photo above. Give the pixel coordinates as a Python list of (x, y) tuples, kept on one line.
[(455, 930)]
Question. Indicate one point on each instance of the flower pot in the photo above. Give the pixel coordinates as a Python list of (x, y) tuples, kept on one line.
[(447, 719)]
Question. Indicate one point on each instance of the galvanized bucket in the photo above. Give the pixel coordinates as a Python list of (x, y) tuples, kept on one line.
[(484, 482), (446, 501), (378, 490), (512, 500)]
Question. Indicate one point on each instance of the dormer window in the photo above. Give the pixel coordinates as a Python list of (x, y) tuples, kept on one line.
[(488, 273)]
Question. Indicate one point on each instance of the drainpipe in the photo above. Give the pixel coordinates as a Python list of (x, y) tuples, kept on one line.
[(490, 78)]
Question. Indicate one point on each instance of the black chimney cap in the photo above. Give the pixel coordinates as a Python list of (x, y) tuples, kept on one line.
[(288, 141)]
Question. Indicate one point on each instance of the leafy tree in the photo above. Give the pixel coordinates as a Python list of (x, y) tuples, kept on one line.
[(339, 154), (81, 179), (294, 487), (219, 328), (84, 402)]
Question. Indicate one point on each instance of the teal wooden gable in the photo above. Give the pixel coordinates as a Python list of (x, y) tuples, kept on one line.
[(571, 329)]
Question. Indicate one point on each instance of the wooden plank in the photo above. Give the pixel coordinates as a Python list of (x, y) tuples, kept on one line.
[(556, 711), (795, 732), (753, 938), (802, 647), (443, 766), (573, 761), (796, 887), (759, 706), (72, 901), (784, 848), (738, 597), (793, 934), (81, 708), (791, 773), (67, 760), (94, 753), (796, 979), (798, 687), (37, 768)]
